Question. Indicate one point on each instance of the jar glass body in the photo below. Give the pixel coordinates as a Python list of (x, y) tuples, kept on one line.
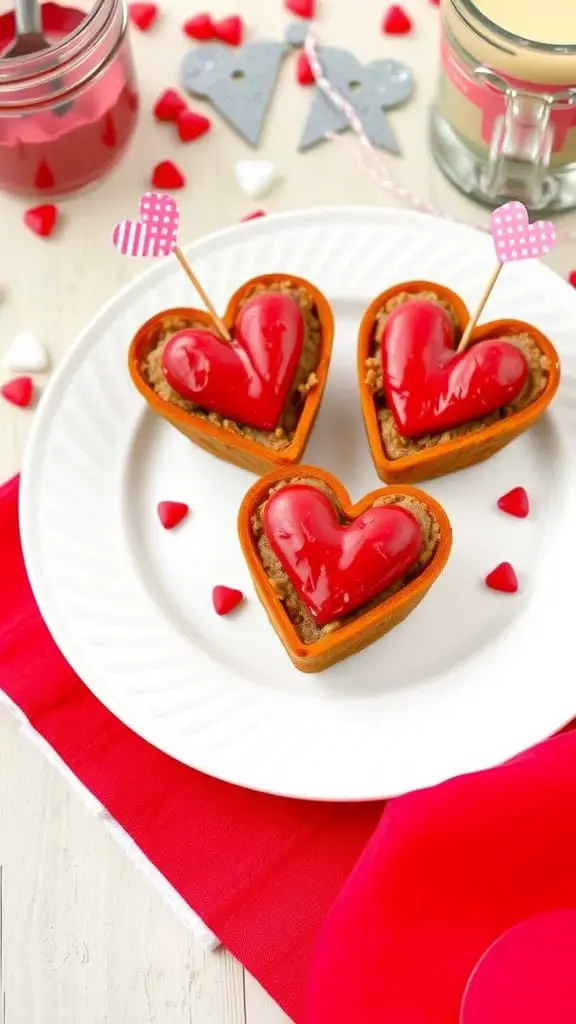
[(504, 119), (66, 113)]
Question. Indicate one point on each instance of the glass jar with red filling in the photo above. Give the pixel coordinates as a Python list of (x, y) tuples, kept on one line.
[(66, 112)]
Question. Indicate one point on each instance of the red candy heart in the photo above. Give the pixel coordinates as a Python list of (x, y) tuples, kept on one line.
[(515, 503), (226, 599), (503, 578), (169, 106), (170, 513), (41, 219), (252, 216), (336, 568), (572, 278), (143, 15), (428, 387), (200, 27), (304, 73), (301, 8), (396, 22), (249, 379), (167, 176), (229, 30), (191, 126), (18, 391)]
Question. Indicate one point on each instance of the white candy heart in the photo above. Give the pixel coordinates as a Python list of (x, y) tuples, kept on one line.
[(26, 354), (255, 177)]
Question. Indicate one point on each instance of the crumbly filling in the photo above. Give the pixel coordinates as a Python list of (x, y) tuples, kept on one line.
[(395, 444), (298, 612), (305, 379)]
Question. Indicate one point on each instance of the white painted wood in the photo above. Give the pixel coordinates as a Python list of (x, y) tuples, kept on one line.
[(85, 939)]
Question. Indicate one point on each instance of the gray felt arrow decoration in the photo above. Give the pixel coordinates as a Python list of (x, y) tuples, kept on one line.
[(238, 81), (372, 89)]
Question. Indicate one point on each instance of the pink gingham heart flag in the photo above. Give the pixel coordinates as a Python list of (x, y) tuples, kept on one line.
[(155, 234), (515, 238)]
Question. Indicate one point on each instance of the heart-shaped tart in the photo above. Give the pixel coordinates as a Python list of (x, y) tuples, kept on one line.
[(429, 410), (333, 576), (251, 401)]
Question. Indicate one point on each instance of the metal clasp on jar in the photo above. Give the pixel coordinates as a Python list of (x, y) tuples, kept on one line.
[(522, 141)]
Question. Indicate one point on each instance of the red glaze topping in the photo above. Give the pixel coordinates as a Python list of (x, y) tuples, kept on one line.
[(428, 387), (249, 379), (336, 569)]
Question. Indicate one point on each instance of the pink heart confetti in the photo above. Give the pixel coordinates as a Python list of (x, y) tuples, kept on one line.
[(515, 238), (155, 234)]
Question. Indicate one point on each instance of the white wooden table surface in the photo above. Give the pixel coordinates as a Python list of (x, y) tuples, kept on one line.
[(84, 937)]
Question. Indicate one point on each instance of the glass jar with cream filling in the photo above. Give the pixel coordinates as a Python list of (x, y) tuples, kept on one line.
[(504, 118)]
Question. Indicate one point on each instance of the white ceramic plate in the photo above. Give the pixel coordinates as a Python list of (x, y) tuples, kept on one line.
[(472, 677)]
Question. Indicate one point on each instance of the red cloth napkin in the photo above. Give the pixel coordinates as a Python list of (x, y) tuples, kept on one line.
[(447, 872), (260, 871)]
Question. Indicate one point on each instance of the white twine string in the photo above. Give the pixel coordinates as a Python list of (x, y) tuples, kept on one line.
[(372, 161)]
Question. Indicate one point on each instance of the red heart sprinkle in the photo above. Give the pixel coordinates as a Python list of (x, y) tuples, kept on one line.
[(301, 8), (230, 30), (226, 599), (191, 126), (43, 179), (252, 216), (143, 15), (572, 278), (18, 391), (41, 219), (200, 27), (503, 578), (515, 503), (169, 106), (396, 22), (304, 73), (167, 176), (435, 3), (170, 513)]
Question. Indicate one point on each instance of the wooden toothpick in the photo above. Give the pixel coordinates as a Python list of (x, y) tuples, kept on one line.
[(465, 339), (218, 322)]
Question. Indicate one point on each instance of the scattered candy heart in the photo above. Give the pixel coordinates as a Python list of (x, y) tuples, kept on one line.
[(155, 234), (170, 513), (255, 177), (301, 8), (226, 599), (229, 30), (143, 15), (238, 81), (43, 179), (304, 73), (41, 219), (199, 27), (26, 354), (167, 175), (503, 578), (168, 106), (396, 22), (515, 238), (435, 3), (191, 126), (572, 278), (18, 391), (252, 216), (515, 503)]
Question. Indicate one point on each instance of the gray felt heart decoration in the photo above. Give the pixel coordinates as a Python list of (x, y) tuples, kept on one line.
[(372, 89)]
